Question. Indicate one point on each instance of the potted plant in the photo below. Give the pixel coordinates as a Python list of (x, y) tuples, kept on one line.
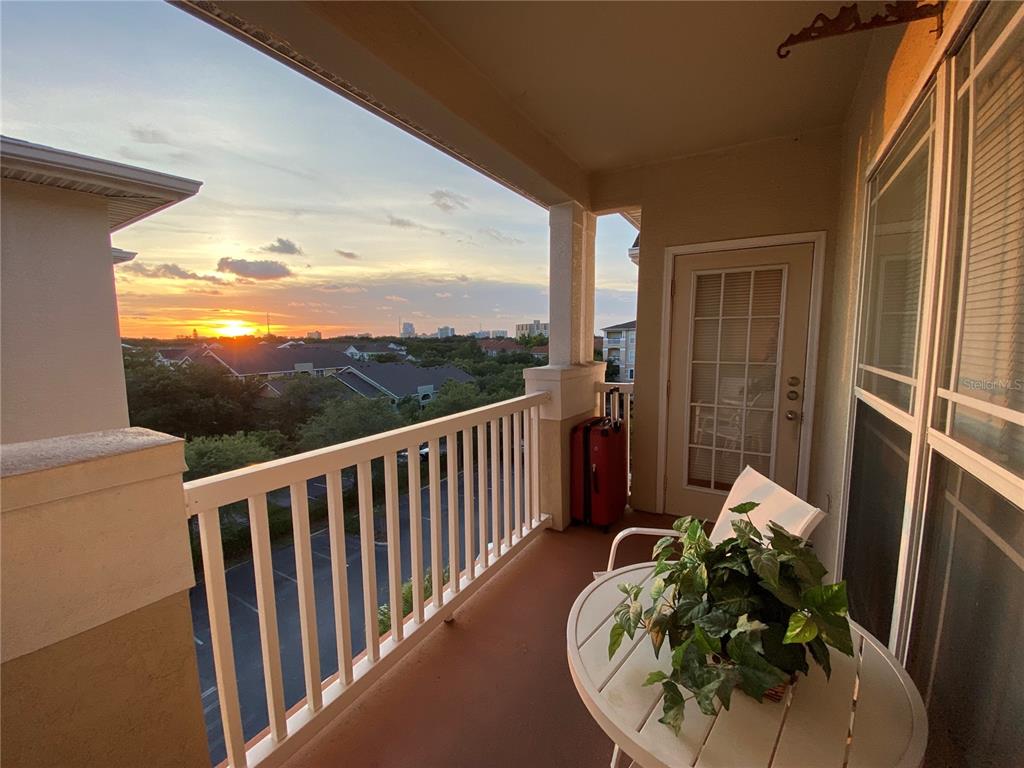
[(743, 613)]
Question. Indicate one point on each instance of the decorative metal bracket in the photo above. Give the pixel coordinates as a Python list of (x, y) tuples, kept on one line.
[(848, 20)]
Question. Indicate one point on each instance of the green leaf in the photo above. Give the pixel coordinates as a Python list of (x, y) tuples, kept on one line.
[(806, 566), (655, 677), (789, 658), (783, 540), (705, 642), (672, 706), (657, 629), (716, 623), (730, 678), (745, 508), (690, 607), (820, 653), (745, 624), (657, 589), (746, 532), (737, 561), (785, 591), (765, 563), (664, 546), (802, 628), (827, 598), (756, 674), (681, 524), (835, 630), (615, 639)]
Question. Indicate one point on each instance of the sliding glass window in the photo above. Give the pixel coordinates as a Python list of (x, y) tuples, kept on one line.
[(894, 266)]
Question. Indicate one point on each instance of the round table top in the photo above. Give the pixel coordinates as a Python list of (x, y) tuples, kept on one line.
[(811, 726)]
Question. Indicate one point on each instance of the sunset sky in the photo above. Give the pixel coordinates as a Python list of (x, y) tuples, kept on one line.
[(311, 210)]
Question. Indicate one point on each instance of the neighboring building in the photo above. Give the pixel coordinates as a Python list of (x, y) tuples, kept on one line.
[(399, 380), (489, 334), (445, 331), (314, 335), (264, 360), (535, 328), (371, 349), (494, 347), (620, 348), (408, 331)]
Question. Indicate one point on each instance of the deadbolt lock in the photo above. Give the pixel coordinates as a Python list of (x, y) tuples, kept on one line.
[(793, 381), (792, 395)]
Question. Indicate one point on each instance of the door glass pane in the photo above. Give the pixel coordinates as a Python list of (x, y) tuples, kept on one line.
[(874, 518), (965, 641), (897, 227), (733, 373)]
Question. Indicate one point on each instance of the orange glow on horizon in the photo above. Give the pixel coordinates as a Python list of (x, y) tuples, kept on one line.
[(231, 328)]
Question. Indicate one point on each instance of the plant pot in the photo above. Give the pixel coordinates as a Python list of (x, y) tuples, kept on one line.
[(778, 693)]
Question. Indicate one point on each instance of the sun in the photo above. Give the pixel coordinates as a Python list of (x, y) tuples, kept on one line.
[(233, 328)]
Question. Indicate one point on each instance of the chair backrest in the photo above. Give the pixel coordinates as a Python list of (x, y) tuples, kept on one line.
[(776, 504)]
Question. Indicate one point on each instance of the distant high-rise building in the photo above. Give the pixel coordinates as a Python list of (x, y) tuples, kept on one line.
[(408, 331), (497, 334), (535, 328), (314, 335), (445, 331)]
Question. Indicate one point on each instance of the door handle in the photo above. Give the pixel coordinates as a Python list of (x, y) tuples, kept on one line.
[(793, 416)]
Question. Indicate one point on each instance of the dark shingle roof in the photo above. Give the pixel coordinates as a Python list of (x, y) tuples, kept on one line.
[(403, 379), (264, 358)]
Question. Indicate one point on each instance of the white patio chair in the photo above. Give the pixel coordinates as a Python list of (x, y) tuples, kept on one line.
[(775, 504)]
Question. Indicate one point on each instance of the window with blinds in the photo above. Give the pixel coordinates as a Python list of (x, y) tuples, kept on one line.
[(981, 384), (896, 242)]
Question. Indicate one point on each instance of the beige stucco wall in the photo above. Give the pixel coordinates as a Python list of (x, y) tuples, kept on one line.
[(767, 188), (794, 184), (61, 369)]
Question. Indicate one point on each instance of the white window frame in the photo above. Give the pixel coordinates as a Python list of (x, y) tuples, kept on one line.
[(933, 326)]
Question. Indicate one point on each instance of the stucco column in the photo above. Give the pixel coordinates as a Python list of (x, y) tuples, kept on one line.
[(98, 664), (571, 375)]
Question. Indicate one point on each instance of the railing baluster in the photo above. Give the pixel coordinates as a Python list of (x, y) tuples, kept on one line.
[(467, 504), (527, 473), (436, 573), (220, 635), (270, 645), (307, 600), (452, 447), (339, 575), (481, 468), (394, 545), (517, 456), (627, 408), (535, 462), (416, 531), (364, 478), (495, 507), (506, 471)]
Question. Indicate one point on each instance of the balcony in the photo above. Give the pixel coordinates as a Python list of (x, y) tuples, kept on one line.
[(268, 637)]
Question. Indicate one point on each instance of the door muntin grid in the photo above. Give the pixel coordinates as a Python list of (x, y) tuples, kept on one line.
[(733, 373)]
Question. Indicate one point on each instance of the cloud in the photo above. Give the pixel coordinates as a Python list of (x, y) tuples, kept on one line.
[(168, 271), (147, 135), (282, 245), (396, 299), (443, 295), (255, 270), (403, 223), (346, 254), (501, 237), (448, 201), (340, 288)]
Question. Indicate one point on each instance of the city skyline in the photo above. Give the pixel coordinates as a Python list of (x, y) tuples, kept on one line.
[(312, 210)]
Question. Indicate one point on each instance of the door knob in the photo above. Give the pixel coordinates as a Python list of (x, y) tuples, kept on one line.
[(792, 416)]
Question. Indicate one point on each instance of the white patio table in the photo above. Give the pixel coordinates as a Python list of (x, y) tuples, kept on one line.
[(810, 728)]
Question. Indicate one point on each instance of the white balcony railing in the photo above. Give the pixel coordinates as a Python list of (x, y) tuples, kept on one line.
[(506, 441), (617, 403)]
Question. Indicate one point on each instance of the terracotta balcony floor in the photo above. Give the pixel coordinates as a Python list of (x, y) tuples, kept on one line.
[(492, 688)]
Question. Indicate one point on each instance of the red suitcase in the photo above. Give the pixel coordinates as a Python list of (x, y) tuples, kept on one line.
[(598, 472)]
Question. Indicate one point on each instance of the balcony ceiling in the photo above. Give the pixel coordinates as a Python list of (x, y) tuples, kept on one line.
[(623, 84), (543, 96)]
